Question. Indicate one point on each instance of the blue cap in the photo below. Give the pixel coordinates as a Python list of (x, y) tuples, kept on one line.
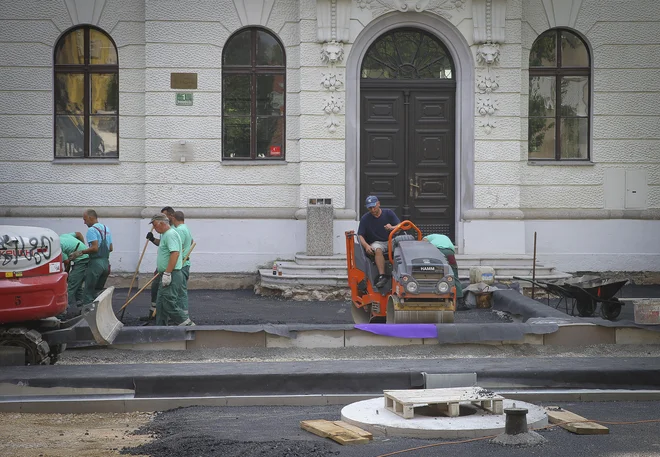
[(371, 201)]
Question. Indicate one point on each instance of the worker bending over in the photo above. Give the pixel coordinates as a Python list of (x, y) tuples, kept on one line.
[(445, 245)]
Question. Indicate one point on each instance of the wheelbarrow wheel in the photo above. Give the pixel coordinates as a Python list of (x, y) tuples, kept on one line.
[(609, 310), (586, 307)]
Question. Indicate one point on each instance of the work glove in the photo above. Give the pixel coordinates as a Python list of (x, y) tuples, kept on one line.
[(74, 255), (167, 279), (150, 236)]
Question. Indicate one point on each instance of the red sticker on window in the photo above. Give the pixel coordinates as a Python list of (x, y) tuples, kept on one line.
[(275, 151)]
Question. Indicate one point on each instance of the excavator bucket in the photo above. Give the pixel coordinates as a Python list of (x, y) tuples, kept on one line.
[(101, 318)]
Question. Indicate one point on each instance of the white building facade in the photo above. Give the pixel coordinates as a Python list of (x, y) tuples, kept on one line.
[(487, 120)]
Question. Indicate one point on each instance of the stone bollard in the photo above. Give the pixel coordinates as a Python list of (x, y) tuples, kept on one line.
[(516, 421), (515, 430), (320, 220)]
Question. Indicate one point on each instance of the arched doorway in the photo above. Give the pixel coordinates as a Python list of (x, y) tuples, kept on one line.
[(407, 128)]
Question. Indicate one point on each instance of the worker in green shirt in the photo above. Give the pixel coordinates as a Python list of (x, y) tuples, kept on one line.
[(77, 269), (170, 278), (446, 246), (186, 241), (99, 242), (168, 211)]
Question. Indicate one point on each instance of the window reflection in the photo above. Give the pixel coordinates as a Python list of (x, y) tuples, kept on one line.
[(407, 54), (86, 123), (253, 97), (559, 77)]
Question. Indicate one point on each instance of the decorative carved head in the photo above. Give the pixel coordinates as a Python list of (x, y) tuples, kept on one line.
[(488, 53), (332, 52)]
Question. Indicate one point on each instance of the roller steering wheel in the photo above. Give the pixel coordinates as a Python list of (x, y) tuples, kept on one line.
[(405, 225)]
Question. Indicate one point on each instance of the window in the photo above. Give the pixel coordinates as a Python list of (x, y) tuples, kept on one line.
[(253, 96), (407, 54), (559, 97), (86, 95)]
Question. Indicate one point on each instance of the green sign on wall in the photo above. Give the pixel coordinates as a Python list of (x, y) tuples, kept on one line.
[(184, 98)]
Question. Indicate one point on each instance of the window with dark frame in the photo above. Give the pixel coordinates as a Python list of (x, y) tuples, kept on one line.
[(86, 81), (253, 96), (559, 97)]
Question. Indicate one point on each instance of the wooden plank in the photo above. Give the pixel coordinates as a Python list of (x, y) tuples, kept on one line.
[(442, 395), (354, 429), (327, 429), (558, 415)]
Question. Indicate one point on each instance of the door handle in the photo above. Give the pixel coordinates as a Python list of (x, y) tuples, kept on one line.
[(413, 186)]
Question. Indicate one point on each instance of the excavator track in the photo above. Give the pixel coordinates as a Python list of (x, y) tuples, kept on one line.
[(36, 349)]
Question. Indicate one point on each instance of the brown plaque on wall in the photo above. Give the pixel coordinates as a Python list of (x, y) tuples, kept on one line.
[(183, 80)]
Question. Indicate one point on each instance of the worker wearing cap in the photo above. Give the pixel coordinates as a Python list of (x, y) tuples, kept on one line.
[(168, 211), (99, 242), (186, 241), (70, 243), (446, 246), (170, 278), (373, 233)]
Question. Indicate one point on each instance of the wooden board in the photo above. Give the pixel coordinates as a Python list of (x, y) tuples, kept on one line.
[(328, 429), (557, 415), (404, 402)]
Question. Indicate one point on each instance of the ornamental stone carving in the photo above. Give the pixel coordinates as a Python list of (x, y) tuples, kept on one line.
[(487, 83), (331, 81), (489, 19), (486, 106), (439, 7), (332, 52), (333, 20), (332, 107), (488, 53)]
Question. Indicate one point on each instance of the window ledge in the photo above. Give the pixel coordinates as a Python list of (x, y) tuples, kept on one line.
[(252, 163), (562, 163), (85, 161)]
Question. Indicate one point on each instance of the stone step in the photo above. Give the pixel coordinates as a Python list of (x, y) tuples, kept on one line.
[(291, 280), (293, 268), (508, 271), (472, 260), (323, 260)]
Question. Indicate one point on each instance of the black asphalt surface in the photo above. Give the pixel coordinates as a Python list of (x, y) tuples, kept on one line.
[(276, 432), (244, 307)]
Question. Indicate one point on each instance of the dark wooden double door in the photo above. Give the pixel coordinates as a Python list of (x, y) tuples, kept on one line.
[(407, 152)]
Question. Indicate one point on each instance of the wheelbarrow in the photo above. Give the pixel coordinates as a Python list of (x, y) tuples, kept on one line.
[(585, 293)]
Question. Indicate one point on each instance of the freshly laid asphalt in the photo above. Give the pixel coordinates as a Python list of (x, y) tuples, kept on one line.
[(276, 432), (243, 307)]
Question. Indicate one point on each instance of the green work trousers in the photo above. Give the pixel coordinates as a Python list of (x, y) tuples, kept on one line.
[(95, 277), (167, 302), (454, 268), (75, 281), (183, 297), (154, 289)]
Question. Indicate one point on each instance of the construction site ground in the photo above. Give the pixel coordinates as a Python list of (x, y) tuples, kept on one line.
[(275, 432), (244, 307)]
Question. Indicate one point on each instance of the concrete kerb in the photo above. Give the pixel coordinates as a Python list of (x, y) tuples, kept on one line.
[(536, 324)]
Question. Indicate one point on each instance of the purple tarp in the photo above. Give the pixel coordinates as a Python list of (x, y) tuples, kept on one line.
[(401, 330)]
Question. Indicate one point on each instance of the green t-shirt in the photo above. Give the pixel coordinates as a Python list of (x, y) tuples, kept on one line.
[(440, 241), (70, 244), (186, 241), (169, 242)]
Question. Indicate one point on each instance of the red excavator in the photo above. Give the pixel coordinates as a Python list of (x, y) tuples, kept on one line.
[(33, 292), (421, 287)]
